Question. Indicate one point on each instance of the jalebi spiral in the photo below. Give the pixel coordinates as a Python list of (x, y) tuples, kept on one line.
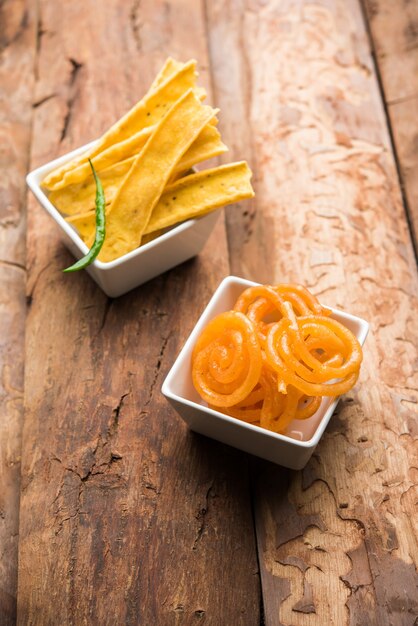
[(270, 360), (227, 360)]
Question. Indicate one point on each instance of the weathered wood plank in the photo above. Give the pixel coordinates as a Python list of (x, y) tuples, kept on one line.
[(393, 26), (17, 47), (394, 31), (403, 118), (337, 541), (125, 516)]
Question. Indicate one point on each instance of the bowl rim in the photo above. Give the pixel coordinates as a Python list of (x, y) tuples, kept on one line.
[(33, 182), (189, 343)]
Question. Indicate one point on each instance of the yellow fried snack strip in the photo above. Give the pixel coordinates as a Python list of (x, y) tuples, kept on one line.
[(170, 67), (143, 185), (79, 198), (207, 146), (198, 194), (147, 112), (131, 147), (150, 236), (115, 153), (192, 196)]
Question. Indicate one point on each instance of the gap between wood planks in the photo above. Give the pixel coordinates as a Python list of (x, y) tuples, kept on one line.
[(386, 104)]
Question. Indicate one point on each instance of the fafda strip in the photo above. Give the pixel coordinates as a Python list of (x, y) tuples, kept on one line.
[(147, 112), (189, 197), (79, 198), (130, 211)]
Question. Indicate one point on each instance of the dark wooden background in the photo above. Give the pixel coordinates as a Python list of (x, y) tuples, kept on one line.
[(111, 512)]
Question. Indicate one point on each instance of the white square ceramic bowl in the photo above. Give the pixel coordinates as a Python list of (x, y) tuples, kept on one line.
[(178, 244), (292, 450)]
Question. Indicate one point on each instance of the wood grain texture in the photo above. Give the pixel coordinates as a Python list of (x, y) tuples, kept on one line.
[(394, 32), (126, 517), (393, 26), (337, 541), (16, 84), (403, 116)]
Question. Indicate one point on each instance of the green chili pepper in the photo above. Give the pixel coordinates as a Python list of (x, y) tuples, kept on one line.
[(100, 227)]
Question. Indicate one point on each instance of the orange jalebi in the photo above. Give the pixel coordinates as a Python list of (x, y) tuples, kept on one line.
[(269, 408), (291, 354), (271, 359), (227, 360), (266, 304)]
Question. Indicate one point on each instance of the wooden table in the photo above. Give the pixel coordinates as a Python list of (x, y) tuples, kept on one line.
[(125, 517)]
